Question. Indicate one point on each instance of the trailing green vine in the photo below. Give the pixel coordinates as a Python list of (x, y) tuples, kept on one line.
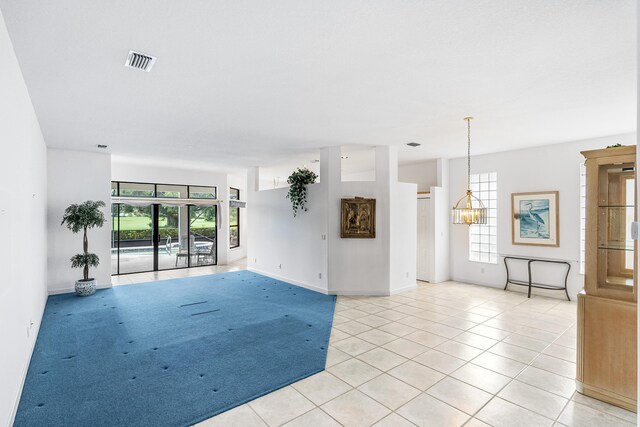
[(298, 181)]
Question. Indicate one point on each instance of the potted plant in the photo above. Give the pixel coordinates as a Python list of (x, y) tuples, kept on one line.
[(81, 218), (297, 188)]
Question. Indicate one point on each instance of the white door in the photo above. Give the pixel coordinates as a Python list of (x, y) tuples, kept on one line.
[(422, 264)]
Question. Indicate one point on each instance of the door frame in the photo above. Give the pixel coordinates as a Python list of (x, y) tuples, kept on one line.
[(155, 229)]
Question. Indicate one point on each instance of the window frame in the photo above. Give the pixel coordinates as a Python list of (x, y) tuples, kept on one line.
[(115, 192), (237, 226), (155, 190)]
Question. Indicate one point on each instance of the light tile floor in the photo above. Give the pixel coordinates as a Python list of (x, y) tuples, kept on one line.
[(447, 354)]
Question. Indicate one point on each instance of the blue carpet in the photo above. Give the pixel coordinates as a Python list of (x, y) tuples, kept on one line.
[(172, 353)]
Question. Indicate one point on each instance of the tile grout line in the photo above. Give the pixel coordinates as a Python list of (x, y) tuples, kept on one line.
[(256, 412), (515, 379), (564, 407), (466, 361), (470, 361)]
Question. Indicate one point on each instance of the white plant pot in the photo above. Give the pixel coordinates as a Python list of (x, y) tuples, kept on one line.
[(84, 288)]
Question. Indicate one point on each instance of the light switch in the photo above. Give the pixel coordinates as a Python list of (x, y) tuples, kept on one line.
[(634, 230)]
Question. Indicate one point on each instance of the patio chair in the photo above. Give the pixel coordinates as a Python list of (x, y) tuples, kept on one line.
[(167, 246), (183, 251), (207, 255)]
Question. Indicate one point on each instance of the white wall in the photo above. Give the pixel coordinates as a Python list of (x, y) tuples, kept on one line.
[(129, 170), (440, 212), (123, 169), (287, 247), (75, 177), (308, 250), (404, 237), (386, 264), (425, 174), (276, 176), (548, 168), (23, 292), (368, 175), (348, 258), (432, 176), (361, 266)]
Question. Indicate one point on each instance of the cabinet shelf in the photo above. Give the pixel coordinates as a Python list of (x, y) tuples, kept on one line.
[(610, 246), (620, 281)]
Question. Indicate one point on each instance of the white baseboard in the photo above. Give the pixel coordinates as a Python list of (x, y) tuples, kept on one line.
[(478, 282), (549, 293), (373, 294), (286, 279), (26, 366), (404, 289), (73, 289), (358, 293)]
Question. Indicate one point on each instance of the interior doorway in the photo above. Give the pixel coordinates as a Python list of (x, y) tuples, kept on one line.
[(424, 240)]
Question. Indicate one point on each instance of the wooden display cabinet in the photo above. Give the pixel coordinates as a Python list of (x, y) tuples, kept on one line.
[(607, 307)]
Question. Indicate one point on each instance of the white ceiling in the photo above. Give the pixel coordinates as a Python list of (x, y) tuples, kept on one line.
[(245, 83)]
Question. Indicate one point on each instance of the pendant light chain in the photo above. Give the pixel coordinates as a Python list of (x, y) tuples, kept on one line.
[(469, 209), (468, 153)]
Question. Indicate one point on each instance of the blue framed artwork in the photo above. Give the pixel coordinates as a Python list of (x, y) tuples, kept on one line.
[(535, 219)]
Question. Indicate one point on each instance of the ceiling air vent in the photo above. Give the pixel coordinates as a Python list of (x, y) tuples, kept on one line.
[(140, 61), (413, 144)]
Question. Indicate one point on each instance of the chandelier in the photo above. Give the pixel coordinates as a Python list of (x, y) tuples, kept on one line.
[(469, 209)]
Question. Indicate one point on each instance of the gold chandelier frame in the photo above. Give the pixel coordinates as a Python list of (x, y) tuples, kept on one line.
[(469, 209)]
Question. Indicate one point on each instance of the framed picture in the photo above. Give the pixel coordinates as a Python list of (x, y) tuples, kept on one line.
[(536, 219), (358, 218)]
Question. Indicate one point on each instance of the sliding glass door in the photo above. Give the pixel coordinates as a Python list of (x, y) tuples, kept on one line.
[(202, 226), (132, 245), (174, 248), (163, 235)]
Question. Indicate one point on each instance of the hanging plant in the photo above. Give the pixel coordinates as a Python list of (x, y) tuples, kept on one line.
[(297, 188)]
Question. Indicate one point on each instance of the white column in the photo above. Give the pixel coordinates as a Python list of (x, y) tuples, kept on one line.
[(442, 166), (253, 185), (330, 178)]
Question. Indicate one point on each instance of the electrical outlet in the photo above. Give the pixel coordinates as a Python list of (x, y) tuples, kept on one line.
[(255, 260), (319, 275), (280, 266)]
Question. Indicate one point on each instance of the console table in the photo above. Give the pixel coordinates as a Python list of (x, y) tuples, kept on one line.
[(529, 282)]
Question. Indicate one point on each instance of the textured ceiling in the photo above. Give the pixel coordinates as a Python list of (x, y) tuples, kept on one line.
[(243, 83)]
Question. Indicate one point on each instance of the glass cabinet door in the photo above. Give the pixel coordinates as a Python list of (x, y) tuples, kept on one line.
[(616, 212)]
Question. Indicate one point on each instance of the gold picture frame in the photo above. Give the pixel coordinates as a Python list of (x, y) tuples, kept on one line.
[(535, 218), (358, 218)]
